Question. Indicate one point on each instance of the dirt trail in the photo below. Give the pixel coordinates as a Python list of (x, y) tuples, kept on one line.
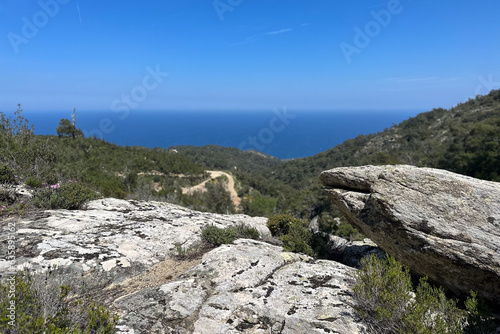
[(213, 175)]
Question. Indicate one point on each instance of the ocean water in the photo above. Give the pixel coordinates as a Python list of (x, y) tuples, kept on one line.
[(283, 134)]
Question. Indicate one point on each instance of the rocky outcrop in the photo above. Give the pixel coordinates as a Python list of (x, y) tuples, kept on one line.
[(248, 287), (441, 224), (115, 234), (126, 251)]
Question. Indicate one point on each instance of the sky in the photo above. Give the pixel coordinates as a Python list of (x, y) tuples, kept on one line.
[(104, 55)]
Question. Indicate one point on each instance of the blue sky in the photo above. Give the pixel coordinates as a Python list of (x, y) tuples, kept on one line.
[(246, 54)]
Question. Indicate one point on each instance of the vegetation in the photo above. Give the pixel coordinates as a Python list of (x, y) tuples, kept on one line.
[(464, 139), (280, 224), (385, 299), (67, 170), (70, 196), (216, 236), (194, 251), (67, 129), (298, 239), (293, 233), (214, 199), (37, 303)]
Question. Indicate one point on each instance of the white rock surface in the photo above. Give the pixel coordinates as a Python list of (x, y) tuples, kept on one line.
[(124, 250), (248, 287)]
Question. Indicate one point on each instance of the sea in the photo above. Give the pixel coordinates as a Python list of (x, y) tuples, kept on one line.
[(281, 133)]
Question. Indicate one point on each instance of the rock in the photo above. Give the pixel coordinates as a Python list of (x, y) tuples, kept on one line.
[(356, 250), (115, 233), (350, 253), (440, 224), (248, 287), (11, 193), (124, 252)]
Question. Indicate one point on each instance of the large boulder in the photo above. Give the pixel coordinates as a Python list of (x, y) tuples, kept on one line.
[(440, 224), (125, 255)]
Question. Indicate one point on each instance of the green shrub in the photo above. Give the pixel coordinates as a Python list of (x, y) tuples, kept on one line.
[(431, 312), (218, 236), (258, 205), (293, 232), (298, 239), (346, 231), (70, 196), (246, 232), (479, 318), (34, 182), (385, 300), (6, 174), (280, 224), (42, 306)]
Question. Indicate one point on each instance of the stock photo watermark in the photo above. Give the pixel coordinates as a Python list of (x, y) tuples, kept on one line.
[(364, 36), (127, 102), (31, 26), (486, 85), (10, 229), (221, 7), (265, 136)]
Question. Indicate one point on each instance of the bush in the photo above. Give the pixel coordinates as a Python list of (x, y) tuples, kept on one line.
[(70, 196), (298, 239), (218, 236), (34, 182), (346, 231), (42, 306), (246, 232), (280, 224), (479, 318), (385, 300), (258, 205), (6, 174), (293, 232)]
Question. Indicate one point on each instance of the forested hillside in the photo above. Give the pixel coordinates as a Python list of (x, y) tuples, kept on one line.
[(464, 139), (110, 169)]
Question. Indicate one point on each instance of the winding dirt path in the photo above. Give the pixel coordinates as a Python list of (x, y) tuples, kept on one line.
[(213, 175)]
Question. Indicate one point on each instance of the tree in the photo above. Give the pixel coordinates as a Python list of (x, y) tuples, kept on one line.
[(67, 129)]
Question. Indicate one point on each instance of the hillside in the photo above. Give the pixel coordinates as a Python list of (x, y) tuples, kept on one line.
[(464, 139), (227, 158)]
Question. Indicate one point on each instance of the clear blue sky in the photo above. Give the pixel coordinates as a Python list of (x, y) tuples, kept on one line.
[(247, 54)]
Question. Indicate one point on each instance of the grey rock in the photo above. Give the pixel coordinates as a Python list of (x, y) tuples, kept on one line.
[(441, 224), (350, 253), (355, 251), (124, 251), (114, 233), (249, 287)]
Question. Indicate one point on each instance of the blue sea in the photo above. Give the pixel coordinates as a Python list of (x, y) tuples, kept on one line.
[(283, 134)]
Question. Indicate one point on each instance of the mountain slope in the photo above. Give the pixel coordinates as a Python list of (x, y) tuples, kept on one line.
[(227, 158), (464, 139)]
